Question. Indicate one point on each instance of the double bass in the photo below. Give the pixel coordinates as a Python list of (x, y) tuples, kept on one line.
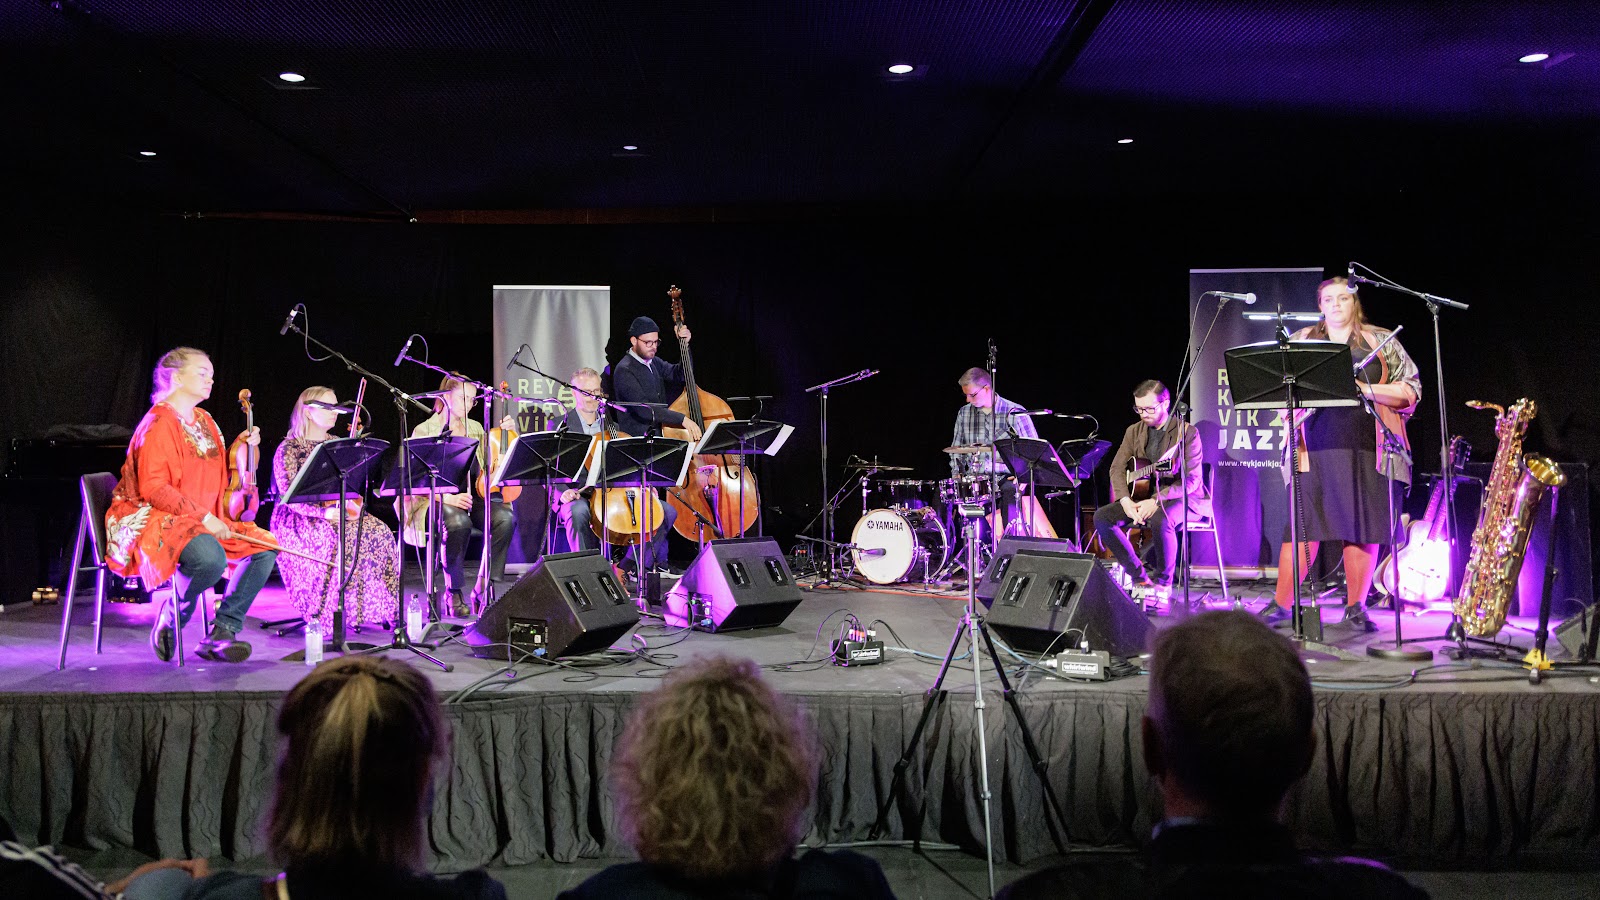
[(719, 489)]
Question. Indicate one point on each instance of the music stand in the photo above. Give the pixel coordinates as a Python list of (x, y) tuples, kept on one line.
[(1292, 376), (438, 465), (646, 463), (744, 437), (325, 477), (1035, 462), (547, 458)]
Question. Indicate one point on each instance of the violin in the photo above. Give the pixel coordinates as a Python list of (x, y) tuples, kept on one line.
[(620, 515), (499, 442), (242, 500), (719, 489)]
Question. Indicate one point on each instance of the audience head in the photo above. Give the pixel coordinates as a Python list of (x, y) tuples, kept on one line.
[(715, 771), (361, 737), (1228, 728)]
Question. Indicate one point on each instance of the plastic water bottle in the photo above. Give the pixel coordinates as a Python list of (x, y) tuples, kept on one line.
[(314, 642), (416, 618)]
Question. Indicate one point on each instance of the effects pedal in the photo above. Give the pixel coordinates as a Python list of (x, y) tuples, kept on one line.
[(1091, 665), (859, 647)]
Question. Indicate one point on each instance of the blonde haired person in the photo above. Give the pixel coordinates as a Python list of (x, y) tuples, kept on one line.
[(167, 518), (362, 739), (713, 777), (369, 548)]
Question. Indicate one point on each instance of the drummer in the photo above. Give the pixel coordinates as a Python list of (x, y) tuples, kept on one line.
[(973, 430)]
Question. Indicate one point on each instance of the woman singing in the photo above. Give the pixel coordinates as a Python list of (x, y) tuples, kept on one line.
[(369, 550), (167, 519), (451, 413), (1348, 467)]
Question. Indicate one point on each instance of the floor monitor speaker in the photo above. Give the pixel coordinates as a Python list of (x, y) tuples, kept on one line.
[(1009, 545), (733, 584), (1048, 602), (568, 603)]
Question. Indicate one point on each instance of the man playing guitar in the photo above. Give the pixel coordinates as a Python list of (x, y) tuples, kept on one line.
[(1146, 490)]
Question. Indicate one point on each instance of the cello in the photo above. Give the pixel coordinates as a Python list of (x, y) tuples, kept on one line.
[(619, 515), (719, 489), (242, 499)]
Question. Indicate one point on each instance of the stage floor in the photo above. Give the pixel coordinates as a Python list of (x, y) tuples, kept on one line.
[(1457, 764)]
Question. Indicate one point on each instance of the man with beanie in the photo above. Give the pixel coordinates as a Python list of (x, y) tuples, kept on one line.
[(641, 377)]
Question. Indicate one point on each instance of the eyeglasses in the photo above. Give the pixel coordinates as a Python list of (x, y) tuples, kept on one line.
[(649, 343), (1141, 410)]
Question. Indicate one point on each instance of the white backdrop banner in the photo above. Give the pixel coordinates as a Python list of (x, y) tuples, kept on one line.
[(565, 326)]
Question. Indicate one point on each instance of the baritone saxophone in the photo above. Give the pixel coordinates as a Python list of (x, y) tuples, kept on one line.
[(1517, 482)]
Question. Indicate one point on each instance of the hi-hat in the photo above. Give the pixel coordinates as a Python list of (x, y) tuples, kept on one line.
[(967, 448)]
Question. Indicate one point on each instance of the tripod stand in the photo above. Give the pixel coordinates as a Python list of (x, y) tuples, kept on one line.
[(972, 627)]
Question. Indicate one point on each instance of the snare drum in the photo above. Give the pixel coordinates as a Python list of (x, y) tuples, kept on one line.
[(911, 541), (966, 489)]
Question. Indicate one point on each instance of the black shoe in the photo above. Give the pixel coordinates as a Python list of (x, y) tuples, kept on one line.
[(223, 645), (163, 637), (458, 606), (1355, 616), (1275, 615)]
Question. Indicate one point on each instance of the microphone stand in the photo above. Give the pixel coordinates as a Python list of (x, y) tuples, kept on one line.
[(400, 639), (1455, 633), (827, 506)]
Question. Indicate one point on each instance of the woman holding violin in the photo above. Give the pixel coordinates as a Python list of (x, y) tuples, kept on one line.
[(313, 529), (452, 412), (172, 514), (574, 507)]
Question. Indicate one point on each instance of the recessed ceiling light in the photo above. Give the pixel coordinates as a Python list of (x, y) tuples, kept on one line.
[(147, 153), (1534, 57), (291, 77), (630, 146), (1125, 140), (902, 69)]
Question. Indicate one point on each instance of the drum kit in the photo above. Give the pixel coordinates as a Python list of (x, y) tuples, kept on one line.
[(906, 524)]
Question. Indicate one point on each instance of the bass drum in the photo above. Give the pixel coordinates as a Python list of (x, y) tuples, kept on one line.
[(892, 544)]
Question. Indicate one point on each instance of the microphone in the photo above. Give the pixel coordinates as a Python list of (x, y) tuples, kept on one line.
[(1033, 412), (871, 551), (1249, 298), (404, 350), (1351, 279), (289, 321)]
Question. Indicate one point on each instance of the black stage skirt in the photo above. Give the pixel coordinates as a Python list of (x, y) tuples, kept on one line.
[(1343, 496)]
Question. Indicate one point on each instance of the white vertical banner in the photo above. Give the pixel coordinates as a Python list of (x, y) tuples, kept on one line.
[(565, 326)]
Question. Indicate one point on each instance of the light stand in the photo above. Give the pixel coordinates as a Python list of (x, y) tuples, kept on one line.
[(821, 390), (972, 627)]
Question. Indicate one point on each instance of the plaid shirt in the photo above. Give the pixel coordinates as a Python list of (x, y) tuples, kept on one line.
[(972, 427)]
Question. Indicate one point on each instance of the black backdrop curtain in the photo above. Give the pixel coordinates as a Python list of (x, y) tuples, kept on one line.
[(1083, 303)]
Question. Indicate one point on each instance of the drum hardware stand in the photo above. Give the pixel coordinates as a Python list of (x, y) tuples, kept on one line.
[(971, 627), (1455, 633), (401, 398), (821, 390)]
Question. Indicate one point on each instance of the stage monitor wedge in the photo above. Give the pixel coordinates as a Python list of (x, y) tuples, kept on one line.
[(1009, 545), (573, 600), (734, 584), (1048, 602)]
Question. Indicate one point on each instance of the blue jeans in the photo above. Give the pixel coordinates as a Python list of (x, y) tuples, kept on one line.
[(203, 563)]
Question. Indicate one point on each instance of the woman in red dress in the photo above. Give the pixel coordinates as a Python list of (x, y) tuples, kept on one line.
[(167, 519)]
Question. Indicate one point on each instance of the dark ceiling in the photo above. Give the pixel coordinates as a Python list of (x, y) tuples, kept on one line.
[(417, 107)]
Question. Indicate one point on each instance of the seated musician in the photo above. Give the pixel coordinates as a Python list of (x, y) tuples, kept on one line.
[(1155, 437), (572, 504), (973, 429), (451, 415), (643, 377), (167, 517)]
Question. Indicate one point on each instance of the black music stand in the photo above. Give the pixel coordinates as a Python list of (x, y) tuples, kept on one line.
[(1293, 376), (744, 437), (646, 463), (1081, 467), (545, 458), (325, 477), (439, 464), (1035, 462)]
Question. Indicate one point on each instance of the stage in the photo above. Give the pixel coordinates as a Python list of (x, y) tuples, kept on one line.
[(1467, 766)]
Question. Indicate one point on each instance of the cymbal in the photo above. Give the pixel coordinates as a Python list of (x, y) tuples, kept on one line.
[(967, 448), (872, 465)]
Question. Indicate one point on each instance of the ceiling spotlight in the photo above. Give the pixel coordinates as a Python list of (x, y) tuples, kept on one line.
[(291, 77), (147, 153), (1534, 57), (630, 146), (1125, 140), (902, 69)]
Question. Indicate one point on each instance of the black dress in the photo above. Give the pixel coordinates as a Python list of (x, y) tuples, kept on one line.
[(1343, 495)]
